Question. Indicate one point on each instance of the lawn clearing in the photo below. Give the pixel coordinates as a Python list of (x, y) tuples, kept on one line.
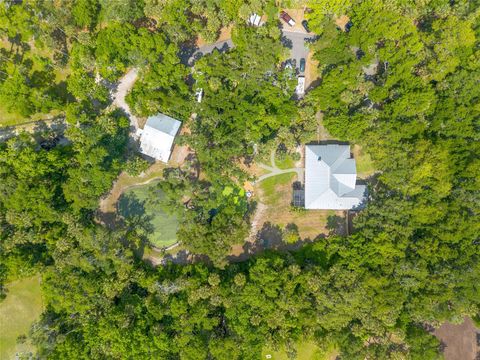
[(276, 193), (125, 181), (270, 186), (286, 163), (365, 166), (305, 351), (160, 227), (18, 311)]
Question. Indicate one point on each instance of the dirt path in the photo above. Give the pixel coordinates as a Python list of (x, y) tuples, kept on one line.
[(274, 170), (124, 86), (256, 221), (221, 46)]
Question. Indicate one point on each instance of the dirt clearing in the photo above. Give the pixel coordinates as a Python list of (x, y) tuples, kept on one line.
[(460, 341)]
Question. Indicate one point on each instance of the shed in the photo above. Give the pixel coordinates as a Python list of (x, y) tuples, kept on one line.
[(157, 137)]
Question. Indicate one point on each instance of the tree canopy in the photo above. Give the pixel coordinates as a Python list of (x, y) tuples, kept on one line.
[(402, 82)]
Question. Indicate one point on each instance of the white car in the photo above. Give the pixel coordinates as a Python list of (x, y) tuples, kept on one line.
[(300, 89)]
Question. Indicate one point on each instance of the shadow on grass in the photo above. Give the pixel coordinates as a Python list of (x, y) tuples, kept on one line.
[(271, 237)]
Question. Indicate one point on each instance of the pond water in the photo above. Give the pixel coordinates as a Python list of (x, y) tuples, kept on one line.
[(140, 206)]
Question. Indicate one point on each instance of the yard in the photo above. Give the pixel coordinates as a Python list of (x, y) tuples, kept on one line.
[(18, 311), (305, 351), (276, 193), (365, 166), (135, 205)]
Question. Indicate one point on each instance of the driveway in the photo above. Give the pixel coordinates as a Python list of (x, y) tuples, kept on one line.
[(221, 46), (124, 86), (295, 40)]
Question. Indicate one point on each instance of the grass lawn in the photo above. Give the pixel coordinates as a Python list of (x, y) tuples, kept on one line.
[(160, 227), (18, 311), (270, 186), (305, 351), (365, 166), (276, 193), (286, 163), (124, 181), (10, 119)]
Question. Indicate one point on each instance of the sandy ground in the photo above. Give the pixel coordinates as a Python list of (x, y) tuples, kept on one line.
[(298, 15), (460, 341), (311, 71), (124, 86), (225, 34)]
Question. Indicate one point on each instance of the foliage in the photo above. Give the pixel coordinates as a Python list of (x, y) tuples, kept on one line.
[(136, 166), (246, 99), (402, 83)]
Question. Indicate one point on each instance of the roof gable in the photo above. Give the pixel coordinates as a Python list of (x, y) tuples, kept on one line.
[(330, 178), (158, 135)]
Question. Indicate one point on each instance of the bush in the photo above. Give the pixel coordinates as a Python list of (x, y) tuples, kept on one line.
[(136, 166)]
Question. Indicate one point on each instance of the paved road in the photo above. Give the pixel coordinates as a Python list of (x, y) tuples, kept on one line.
[(207, 49), (297, 43)]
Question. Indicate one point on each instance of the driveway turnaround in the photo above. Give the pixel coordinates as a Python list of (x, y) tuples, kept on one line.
[(298, 45), (207, 49)]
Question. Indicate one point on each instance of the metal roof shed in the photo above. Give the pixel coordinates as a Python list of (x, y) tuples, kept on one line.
[(158, 135), (330, 178)]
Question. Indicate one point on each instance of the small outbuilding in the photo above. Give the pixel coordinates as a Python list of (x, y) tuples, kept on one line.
[(330, 178), (156, 138), (255, 20)]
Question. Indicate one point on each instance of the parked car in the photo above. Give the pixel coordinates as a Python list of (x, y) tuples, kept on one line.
[(287, 18), (302, 65), (305, 26), (300, 89)]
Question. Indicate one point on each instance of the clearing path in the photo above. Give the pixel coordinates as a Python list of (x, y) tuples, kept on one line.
[(124, 86), (221, 46), (274, 170)]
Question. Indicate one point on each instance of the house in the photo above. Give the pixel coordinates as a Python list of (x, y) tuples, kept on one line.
[(330, 178), (156, 138)]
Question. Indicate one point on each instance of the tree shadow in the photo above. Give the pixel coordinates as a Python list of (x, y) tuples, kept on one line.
[(50, 134), (187, 49), (336, 225), (7, 132), (133, 212), (288, 43), (271, 237)]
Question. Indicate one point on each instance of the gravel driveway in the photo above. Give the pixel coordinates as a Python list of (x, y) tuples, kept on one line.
[(124, 86), (296, 42)]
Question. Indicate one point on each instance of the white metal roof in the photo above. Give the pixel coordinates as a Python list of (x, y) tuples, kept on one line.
[(158, 135), (254, 19), (330, 178)]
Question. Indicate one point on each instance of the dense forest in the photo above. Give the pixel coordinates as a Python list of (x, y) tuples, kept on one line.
[(413, 261)]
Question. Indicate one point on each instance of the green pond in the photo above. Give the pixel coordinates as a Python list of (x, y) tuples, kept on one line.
[(140, 205)]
